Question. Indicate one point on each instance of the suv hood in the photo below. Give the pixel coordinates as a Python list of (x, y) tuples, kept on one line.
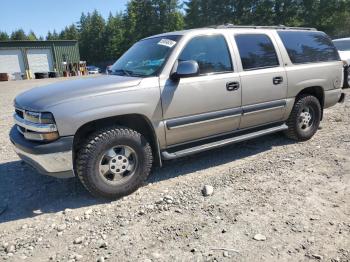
[(41, 98)]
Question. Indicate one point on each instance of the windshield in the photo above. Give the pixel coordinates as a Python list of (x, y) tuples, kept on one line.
[(145, 58), (342, 45)]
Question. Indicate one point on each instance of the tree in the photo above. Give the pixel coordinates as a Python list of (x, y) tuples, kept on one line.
[(69, 33), (129, 23), (192, 9), (4, 36), (113, 37), (31, 36), (285, 12), (149, 17), (92, 31), (331, 16), (167, 16), (52, 36), (18, 35), (103, 41)]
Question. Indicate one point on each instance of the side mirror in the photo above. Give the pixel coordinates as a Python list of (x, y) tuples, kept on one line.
[(186, 69)]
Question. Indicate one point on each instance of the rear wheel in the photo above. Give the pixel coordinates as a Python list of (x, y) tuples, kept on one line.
[(304, 119), (114, 162)]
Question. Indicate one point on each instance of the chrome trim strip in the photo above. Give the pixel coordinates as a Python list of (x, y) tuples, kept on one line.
[(262, 106), (43, 128), (203, 122), (202, 118), (263, 110)]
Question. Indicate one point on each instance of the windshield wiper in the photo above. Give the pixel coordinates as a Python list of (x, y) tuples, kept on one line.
[(127, 73), (123, 71)]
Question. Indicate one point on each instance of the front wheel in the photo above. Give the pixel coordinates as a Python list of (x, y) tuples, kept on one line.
[(304, 119), (114, 162)]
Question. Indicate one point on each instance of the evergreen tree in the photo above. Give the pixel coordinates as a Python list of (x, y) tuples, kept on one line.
[(103, 41), (193, 13), (4, 36), (18, 35), (149, 17), (69, 33), (113, 37), (92, 32), (52, 36), (31, 36), (49, 36), (167, 16)]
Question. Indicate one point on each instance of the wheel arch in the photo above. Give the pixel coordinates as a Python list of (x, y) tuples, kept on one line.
[(316, 91), (137, 122)]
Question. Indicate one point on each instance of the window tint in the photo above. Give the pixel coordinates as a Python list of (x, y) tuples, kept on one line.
[(342, 45), (256, 51), (308, 47), (210, 52)]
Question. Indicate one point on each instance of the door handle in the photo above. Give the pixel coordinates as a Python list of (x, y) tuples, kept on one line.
[(277, 80), (232, 86)]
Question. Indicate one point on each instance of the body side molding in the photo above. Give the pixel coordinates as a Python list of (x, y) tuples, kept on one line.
[(201, 118)]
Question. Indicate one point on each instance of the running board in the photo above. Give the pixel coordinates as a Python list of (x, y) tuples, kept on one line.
[(197, 149)]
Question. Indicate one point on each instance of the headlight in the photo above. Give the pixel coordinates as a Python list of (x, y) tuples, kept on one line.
[(39, 126), (40, 118)]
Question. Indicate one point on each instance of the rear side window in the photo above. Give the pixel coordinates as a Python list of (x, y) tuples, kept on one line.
[(256, 51), (210, 52), (308, 47)]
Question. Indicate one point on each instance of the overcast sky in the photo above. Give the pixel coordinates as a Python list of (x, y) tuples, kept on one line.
[(44, 15)]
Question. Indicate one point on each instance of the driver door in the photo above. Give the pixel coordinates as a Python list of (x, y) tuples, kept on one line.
[(205, 105)]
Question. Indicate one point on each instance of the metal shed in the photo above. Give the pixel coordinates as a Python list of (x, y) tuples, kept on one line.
[(37, 56)]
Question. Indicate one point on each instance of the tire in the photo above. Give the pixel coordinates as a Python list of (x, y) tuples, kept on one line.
[(297, 128), (95, 162)]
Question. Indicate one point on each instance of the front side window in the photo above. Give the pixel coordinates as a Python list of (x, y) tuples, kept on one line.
[(146, 57), (342, 45), (257, 51), (308, 47), (210, 52)]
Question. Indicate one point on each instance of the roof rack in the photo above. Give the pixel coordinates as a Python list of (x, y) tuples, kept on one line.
[(280, 27)]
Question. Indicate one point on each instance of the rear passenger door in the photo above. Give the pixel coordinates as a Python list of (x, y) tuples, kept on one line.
[(263, 79)]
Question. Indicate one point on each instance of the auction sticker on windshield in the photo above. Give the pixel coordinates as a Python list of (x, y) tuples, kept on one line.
[(167, 42)]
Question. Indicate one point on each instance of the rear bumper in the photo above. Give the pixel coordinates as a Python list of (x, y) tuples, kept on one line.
[(332, 97), (346, 77), (52, 159), (342, 98)]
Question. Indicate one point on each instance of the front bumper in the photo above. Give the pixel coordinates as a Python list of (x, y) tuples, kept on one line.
[(53, 159)]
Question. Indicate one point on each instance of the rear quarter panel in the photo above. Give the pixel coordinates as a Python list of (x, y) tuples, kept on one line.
[(327, 75)]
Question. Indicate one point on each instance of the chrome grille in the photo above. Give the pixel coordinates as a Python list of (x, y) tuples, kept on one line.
[(19, 112)]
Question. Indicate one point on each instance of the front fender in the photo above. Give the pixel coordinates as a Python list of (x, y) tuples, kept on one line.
[(143, 100)]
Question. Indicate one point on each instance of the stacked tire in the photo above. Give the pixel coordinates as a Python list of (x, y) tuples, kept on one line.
[(41, 75)]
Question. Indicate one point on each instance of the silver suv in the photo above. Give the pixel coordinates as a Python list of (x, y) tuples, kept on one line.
[(176, 94)]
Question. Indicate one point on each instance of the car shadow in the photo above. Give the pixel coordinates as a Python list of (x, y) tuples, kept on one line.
[(219, 156), (24, 193)]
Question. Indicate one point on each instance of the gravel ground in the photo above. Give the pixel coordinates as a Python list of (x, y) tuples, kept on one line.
[(269, 199)]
